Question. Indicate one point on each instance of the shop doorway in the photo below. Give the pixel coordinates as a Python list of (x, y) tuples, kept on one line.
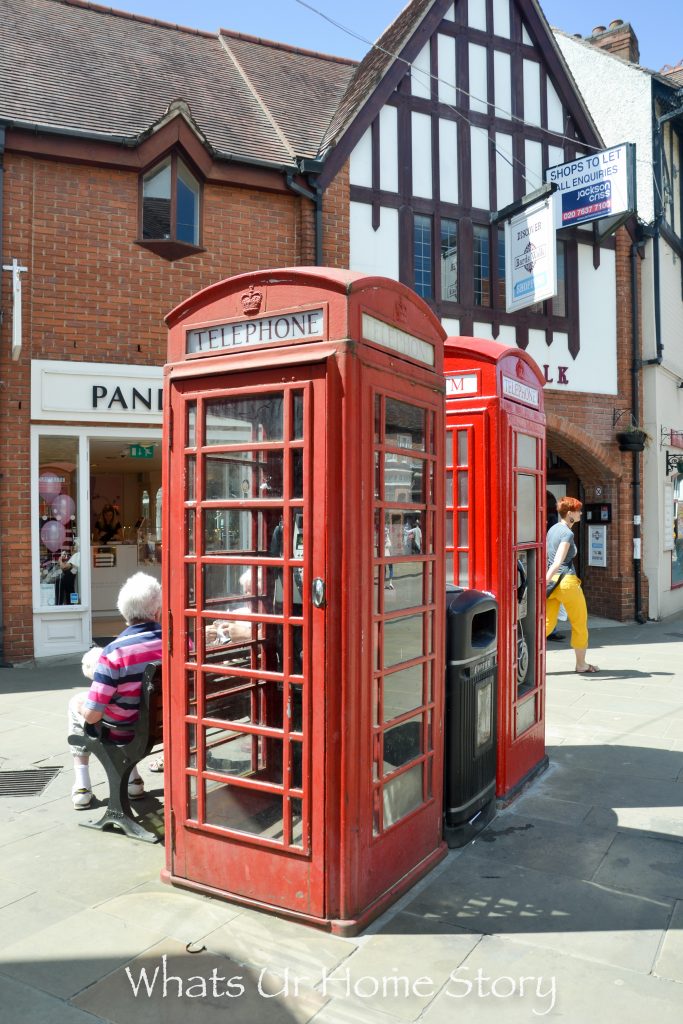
[(124, 522)]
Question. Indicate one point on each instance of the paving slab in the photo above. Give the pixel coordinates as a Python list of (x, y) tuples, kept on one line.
[(669, 963), (387, 973), (571, 916), (64, 854), (244, 995), (24, 1004), (262, 940), (609, 790), (11, 890), (67, 957), (14, 826), (32, 914), (658, 822), (517, 838), (547, 808), (642, 864), (175, 914), (554, 987), (618, 759)]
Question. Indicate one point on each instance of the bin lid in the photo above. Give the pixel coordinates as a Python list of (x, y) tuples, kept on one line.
[(459, 601)]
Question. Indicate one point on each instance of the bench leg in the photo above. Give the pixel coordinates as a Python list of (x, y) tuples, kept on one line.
[(119, 813)]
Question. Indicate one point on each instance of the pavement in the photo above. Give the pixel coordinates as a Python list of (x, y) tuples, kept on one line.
[(569, 906)]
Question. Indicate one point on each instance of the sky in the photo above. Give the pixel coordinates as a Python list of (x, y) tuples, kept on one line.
[(657, 24)]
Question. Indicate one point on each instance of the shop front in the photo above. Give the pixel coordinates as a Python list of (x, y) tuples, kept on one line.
[(95, 496)]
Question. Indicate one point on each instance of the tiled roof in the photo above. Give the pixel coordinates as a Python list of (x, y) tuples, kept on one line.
[(301, 90), (66, 65), (374, 66)]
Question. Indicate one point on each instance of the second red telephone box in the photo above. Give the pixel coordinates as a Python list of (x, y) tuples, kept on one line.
[(495, 528), (305, 593)]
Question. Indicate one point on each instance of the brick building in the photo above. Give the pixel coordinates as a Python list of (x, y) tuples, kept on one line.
[(122, 193), (651, 116), (143, 161)]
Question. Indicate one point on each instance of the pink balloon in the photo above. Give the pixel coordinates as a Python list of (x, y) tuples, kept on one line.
[(63, 506), (52, 534), (49, 485)]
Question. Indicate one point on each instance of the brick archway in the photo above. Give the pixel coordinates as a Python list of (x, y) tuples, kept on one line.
[(610, 591)]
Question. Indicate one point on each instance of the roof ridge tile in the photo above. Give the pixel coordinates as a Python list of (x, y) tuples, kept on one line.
[(287, 46), (115, 13), (259, 99)]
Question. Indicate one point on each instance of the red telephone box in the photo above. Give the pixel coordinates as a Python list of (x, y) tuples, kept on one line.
[(305, 589), (495, 528)]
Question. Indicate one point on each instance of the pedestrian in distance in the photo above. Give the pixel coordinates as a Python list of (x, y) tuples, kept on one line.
[(563, 585)]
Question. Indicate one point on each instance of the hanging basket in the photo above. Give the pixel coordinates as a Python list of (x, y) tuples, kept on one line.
[(632, 441)]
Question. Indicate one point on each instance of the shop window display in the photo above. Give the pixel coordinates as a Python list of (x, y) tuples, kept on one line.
[(58, 525)]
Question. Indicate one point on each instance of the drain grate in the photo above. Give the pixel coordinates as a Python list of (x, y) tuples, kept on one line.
[(31, 782)]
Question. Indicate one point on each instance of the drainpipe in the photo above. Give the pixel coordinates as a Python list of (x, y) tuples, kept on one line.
[(636, 364), (311, 168), (3, 663)]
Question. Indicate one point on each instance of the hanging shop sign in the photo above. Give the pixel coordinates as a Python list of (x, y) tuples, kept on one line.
[(596, 186), (530, 255)]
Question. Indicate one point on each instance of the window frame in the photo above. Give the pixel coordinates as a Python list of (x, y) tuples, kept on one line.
[(171, 248)]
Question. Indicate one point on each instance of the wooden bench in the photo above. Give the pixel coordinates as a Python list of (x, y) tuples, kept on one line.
[(118, 760)]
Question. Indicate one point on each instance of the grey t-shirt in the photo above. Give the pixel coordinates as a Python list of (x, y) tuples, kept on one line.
[(557, 534)]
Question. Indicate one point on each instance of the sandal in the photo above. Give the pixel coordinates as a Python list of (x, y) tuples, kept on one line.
[(157, 765), (589, 670)]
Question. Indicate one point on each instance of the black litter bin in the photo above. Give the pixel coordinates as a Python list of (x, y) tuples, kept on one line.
[(471, 707)]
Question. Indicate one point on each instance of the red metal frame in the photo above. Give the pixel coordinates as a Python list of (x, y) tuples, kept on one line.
[(369, 775), (494, 398)]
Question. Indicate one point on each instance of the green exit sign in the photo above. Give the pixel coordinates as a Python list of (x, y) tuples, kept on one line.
[(142, 451)]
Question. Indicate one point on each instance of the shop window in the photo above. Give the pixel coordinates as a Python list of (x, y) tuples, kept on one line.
[(170, 209), (449, 261), (482, 266), (58, 533), (422, 256)]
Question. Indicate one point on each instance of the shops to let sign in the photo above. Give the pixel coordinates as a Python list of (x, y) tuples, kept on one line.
[(142, 451)]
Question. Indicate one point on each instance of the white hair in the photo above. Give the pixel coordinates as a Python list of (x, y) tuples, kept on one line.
[(89, 661), (140, 599)]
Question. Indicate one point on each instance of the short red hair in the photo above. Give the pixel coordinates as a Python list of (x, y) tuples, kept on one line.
[(565, 505)]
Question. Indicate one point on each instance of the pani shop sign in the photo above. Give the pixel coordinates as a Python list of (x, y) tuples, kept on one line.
[(596, 186)]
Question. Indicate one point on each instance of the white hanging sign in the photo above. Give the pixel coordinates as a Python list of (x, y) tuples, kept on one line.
[(530, 256)]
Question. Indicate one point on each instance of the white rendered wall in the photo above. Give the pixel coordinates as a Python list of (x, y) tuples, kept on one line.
[(373, 252), (661, 392), (446, 65), (502, 83), (478, 78), (671, 308), (388, 149), (594, 370), (501, 18), (504, 168), (420, 83), (422, 154), (360, 165), (448, 160), (618, 96), (476, 14), (479, 147)]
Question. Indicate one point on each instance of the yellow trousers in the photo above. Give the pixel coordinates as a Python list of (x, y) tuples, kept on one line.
[(570, 594)]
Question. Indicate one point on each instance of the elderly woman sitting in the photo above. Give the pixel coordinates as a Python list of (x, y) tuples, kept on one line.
[(114, 694)]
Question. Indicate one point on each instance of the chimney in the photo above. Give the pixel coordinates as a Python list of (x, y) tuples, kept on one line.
[(619, 39)]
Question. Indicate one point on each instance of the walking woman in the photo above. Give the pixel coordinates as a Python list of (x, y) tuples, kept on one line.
[(560, 555)]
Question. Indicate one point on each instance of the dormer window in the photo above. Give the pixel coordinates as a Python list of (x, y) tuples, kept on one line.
[(170, 209)]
